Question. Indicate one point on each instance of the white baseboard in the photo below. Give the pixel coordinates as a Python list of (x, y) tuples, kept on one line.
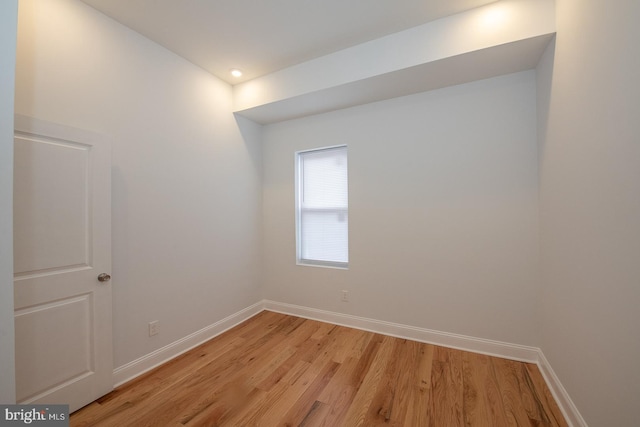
[(462, 342), (568, 408), (505, 350), (162, 355)]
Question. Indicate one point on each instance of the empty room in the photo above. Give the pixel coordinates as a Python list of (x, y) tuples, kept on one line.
[(338, 213)]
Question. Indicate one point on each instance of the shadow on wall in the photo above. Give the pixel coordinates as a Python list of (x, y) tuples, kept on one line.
[(251, 133), (544, 81)]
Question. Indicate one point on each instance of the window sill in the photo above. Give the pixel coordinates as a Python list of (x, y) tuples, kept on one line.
[(336, 266)]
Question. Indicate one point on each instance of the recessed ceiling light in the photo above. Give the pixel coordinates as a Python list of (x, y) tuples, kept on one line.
[(236, 73)]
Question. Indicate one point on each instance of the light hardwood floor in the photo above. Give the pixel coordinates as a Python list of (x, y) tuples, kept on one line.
[(279, 370)]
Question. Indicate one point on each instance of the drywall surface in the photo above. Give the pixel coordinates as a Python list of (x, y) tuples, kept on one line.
[(8, 32), (443, 190), (590, 208), (186, 184), (479, 29)]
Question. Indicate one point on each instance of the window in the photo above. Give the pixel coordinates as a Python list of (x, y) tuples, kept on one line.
[(322, 217)]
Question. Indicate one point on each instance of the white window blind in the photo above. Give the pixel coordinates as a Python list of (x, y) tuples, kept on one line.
[(322, 207)]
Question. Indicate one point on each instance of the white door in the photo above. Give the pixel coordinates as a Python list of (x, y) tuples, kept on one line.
[(62, 243)]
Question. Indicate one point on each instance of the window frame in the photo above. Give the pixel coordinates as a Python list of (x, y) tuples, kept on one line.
[(298, 212)]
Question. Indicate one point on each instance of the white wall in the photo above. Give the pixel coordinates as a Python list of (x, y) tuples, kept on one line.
[(8, 31), (590, 208), (443, 191), (186, 185)]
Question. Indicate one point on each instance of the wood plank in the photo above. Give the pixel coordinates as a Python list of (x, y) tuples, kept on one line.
[(389, 405), (522, 402), (253, 413), (306, 403), (151, 384), (409, 363), (419, 400), (316, 415), (279, 370), (446, 400), (546, 400), (482, 400), (356, 415), (338, 406)]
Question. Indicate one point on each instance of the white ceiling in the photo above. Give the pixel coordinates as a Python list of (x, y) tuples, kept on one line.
[(262, 36)]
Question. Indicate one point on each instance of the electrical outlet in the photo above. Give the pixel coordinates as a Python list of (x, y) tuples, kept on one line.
[(345, 296), (154, 328)]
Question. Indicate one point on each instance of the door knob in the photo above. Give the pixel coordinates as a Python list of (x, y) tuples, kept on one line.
[(104, 277)]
